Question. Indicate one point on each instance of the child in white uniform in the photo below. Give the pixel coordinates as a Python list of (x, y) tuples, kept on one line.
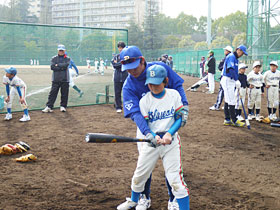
[(271, 79), (255, 91), (160, 108), (17, 86)]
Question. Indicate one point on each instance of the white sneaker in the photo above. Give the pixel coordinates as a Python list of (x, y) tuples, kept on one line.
[(258, 118), (119, 110), (8, 116), (143, 203), (240, 118), (62, 109), (270, 116), (213, 108), (25, 118), (47, 109), (173, 205), (127, 205), (274, 117), (193, 89), (251, 117)]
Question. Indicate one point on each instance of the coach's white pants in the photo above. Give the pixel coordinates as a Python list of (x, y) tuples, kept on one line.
[(211, 81), (13, 93), (228, 85), (254, 98), (272, 97), (171, 159), (240, 93)]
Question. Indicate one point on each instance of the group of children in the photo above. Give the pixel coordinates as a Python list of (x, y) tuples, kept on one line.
[(99, 66), (254, 84)]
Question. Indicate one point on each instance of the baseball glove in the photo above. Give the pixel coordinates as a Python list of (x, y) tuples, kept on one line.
[(8, 149), (22, 146), (26, 158), (266, 120)]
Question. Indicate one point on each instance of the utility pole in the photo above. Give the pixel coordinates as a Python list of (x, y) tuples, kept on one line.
[(209, 21)]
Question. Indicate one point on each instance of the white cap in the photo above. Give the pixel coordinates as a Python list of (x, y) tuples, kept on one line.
[(256, 63), (242, 66), (274, 63), (228, 48)]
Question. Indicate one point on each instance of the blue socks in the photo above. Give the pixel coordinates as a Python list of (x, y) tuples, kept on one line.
[(171, 196), (184, 203), (9, 110), (25, 112), (135, 196), (147, 189)]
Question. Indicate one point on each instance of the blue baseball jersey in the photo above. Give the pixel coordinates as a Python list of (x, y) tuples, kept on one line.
[(231, 66), (134, 88), (73, 64)]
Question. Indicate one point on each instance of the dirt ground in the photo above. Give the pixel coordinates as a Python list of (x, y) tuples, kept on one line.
[(224, 167)]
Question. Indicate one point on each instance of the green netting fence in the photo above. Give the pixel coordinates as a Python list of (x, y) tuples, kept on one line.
[(19, 43), (22, 43)]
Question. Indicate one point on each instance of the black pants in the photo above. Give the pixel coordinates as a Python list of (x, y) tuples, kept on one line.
[(64, 90), (118, 94)]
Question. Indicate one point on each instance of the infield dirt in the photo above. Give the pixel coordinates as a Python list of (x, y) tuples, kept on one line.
[(225, 167)]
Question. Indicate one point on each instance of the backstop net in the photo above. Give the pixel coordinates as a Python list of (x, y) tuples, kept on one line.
[(30, 48)]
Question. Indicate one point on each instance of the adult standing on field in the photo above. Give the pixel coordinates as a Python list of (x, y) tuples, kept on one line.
[(229, 82), (60, 80), (119, 78), (220, 97), (211, 64), (134, 89)]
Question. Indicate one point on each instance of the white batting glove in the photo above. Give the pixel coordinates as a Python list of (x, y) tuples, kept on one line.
[(153, 142), (184, 113), (237, 84)]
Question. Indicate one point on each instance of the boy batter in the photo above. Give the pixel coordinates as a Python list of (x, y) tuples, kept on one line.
[(255, 80), (17, 86), (271, 79), (134, 89), (160, 107)]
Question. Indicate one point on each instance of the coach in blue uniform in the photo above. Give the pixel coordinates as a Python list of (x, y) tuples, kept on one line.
[(134, 89), (229, 82)]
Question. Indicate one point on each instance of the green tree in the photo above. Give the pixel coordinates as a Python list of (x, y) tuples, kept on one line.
[(5, 13), (202, 25), (171, 41), (19, 10), (31, 49), (201, 46), (220, 42), (186, 42), (239, 39), (135, 36), (231, 25), (152, 38), (186, 23)]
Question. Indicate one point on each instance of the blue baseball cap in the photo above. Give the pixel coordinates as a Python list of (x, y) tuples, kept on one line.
[(11, 70), (60, 47), (243, 48), (155, 74), (130, 57)]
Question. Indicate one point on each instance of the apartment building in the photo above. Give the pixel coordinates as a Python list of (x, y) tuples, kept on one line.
[(99, 13)]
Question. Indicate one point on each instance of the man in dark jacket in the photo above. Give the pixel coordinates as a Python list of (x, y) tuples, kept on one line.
[(119, 78), (60, 80), (220, 97), (211, 64)]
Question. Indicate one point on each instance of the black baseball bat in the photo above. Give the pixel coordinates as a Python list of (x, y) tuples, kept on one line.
[(110, 138)]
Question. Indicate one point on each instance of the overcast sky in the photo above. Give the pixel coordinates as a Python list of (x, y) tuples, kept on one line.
[(197, 8)]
